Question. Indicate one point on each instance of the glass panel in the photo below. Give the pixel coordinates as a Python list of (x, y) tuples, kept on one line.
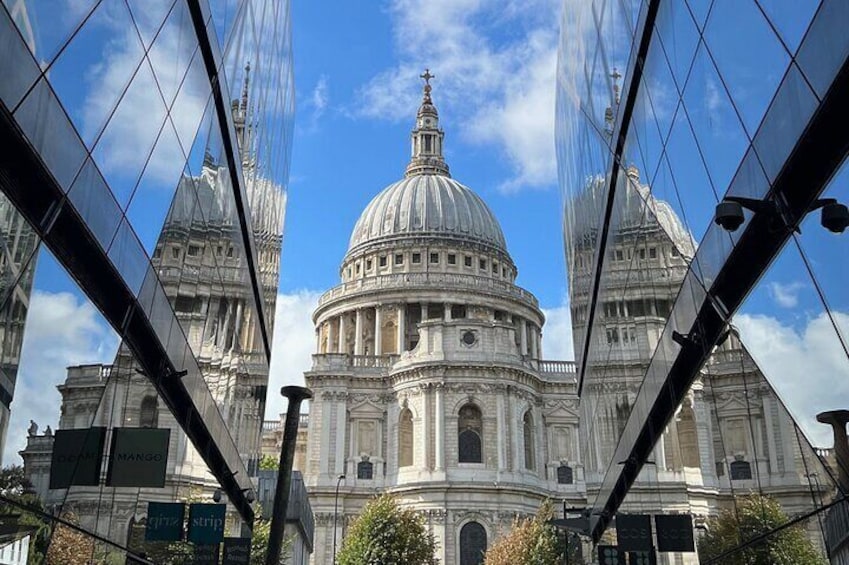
[(750, 59), (826, 46), (719, 134), (46, 26), (149, 16), (17, 65), (106, 53), (155, 190), (94, 202), (51, 134), (127, 142), (679, 37), (788, 115), (172, 51), (129, 258), (791, 18)]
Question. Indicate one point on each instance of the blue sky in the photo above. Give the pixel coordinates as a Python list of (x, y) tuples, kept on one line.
[(357, 85)]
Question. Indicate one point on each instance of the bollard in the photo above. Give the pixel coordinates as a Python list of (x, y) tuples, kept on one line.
[(296, 395)]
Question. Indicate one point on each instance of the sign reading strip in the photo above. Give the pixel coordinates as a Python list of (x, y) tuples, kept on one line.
[(77, 456), (206, 523), (138, 457), (237, 551), (633, 532), (164, 521), (674, 532)]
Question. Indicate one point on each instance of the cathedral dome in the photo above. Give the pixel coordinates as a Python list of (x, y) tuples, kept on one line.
[(427, 205), (427, 202)]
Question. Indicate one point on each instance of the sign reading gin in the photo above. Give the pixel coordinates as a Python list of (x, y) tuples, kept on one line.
[(138, 457), (76, 458)]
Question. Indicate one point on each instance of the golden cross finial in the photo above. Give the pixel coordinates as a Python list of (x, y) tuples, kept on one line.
[(615, 76)]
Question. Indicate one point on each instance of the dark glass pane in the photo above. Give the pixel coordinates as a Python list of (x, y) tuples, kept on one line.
[(741, 471), (470, 447), (472, 544), (365, 470), (564, 475)]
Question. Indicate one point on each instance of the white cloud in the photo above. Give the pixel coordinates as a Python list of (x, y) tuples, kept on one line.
[(61, 330), (785, 295), (319, 97), (495, 67), (806, 366), (557, 334), (292, 347)]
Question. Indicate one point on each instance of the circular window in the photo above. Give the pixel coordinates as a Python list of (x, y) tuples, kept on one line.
[(469, 338), (427, 120)]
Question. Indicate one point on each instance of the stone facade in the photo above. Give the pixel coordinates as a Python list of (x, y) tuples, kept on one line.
[(428, 378)]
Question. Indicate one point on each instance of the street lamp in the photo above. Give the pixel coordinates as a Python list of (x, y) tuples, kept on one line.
[(339, 479)]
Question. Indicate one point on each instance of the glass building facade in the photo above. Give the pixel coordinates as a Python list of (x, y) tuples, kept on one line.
[(146, 148), (692, 394)]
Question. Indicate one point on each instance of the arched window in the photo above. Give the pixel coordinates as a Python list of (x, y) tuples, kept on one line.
[(741, 471), (365, 470), (472, 544), (564, 475), (528, 427), (469, 432), (405, 438), (688, 438), (148, 413)]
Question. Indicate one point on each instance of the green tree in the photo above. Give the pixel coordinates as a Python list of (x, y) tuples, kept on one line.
[(531, 541), (14, 486), (269, 463), (386, 534), (757, 515)]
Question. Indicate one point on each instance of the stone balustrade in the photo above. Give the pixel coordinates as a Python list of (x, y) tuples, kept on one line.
[(432, 280)]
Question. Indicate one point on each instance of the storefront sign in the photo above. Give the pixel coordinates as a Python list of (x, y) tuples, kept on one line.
[(674, 532), (633, 532), (164, 521), (206, 523), (77, 456), (206, 554), (138, 457), (237, 551)]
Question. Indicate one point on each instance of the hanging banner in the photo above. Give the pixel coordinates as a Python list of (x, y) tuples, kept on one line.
[(675, 532), (633, 532), (206, 523), (237, 551), (164, 521), (206, 554), (77, 456), (138, 457)]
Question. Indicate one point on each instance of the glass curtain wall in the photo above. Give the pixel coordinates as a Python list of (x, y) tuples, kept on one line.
[(181, 183), (663, 109)]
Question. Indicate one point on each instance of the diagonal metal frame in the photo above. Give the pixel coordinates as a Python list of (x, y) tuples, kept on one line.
[(805, 174)]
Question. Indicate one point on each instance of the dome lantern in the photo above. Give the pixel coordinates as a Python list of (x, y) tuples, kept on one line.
[(427, 138)]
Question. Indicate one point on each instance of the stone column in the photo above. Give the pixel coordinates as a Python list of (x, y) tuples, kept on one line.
[(502, 434), (318, 339), (439, 427), (358, 333), (341, 400), (423, 389), (511, 430), (424, 311), (341, 348), (523, 331), (447, 312), (378, 332), (402, 327), (331, 336)]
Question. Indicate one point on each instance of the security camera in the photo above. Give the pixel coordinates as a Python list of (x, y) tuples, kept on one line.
[(216, 495), (249, 496), (835, 217), (729, 215)]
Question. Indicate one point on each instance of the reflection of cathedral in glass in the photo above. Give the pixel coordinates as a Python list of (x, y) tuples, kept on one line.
[(203, 266), (731, 434)]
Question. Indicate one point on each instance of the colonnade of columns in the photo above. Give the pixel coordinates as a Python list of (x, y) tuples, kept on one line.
[(370, 324)]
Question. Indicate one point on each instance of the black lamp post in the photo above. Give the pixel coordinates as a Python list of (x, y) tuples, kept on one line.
[(296, 395), (339, 479)]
